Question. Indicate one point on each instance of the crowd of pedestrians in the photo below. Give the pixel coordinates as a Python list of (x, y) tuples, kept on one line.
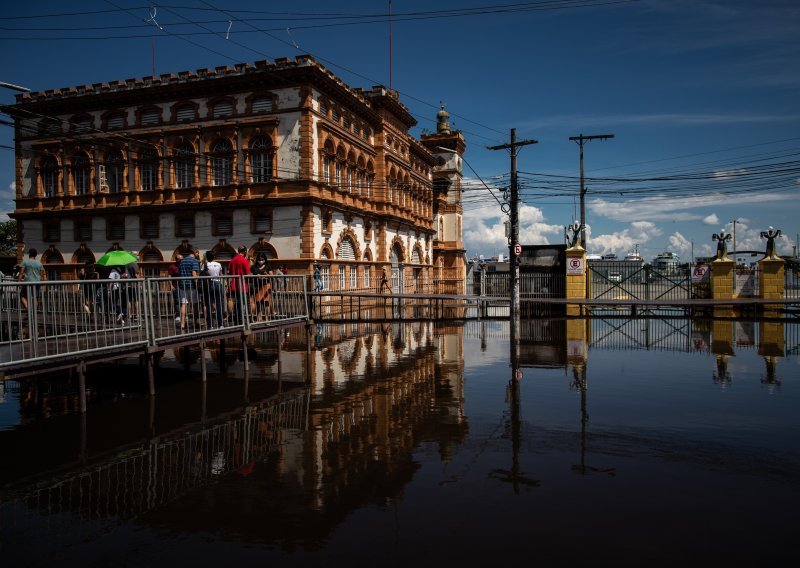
[(213, 298)]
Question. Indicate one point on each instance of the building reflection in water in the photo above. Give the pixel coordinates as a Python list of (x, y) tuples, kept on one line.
[(372, 395), (356, 401)]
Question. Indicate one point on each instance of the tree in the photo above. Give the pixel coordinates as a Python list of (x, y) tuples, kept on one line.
[(8, 237)]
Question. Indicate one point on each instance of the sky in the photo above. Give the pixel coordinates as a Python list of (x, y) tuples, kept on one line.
[(702, 97)]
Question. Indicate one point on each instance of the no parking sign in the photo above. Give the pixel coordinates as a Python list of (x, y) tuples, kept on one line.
[(700, 273), (575, 266)]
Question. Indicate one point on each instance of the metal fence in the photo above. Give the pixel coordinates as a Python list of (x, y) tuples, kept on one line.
[(57, 318), (531, 284), (638, 282)]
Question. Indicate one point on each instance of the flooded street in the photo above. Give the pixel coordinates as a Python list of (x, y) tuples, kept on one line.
[(651, 441)]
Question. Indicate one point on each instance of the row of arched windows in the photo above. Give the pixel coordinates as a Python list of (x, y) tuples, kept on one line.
[(405, 192), (153, 116), (346, 170), (150, 167)]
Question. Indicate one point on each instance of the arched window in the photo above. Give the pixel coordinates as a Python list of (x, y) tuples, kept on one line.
[(222, 108), (184, 158), (370, 179), (261, 159), (222, 162), (83, 255), (115, 172), (52, 260), (116, 121), (339, 168), (261, 104), (415, 256), (185, 113), (150, 116), (50, 172), (82, 124), (81, 174), (327, 162), (148, 169), (347, 250)]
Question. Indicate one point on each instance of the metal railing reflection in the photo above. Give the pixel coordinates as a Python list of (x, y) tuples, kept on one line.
[(85, 504)]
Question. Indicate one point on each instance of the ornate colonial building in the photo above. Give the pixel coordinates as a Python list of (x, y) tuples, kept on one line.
[(282, 157)]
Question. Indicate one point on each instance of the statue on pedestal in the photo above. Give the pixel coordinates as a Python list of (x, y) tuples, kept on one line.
[(575, 229), (770, 234), (722, 249)]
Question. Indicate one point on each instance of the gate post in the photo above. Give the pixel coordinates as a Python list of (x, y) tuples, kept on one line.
[(771, 280), (722, 285), (576, 279)]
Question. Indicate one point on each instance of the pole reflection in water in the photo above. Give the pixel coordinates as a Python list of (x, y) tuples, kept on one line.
[(380, 442)]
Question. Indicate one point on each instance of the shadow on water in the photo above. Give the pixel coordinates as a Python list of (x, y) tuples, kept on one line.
[(397, 442)]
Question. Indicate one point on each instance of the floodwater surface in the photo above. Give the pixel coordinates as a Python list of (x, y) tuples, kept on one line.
[(647, 442)]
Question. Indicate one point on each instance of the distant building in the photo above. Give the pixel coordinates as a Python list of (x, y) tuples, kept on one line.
[(281, 157)]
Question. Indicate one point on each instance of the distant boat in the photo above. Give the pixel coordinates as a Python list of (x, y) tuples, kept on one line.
[(666, 262), (634, 255), (593, 256)]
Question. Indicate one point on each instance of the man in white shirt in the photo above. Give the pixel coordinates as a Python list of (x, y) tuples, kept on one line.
[(214, 293)]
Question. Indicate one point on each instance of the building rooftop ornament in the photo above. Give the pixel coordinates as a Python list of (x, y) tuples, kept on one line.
[(771, 234), (443, 121), (722, 249)]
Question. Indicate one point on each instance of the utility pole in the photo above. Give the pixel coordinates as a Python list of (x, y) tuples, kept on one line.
[(580, 140), (513, 264), (513, 238), (734, 244)]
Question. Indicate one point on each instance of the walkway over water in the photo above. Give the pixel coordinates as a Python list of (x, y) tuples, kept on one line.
[(370, 306), (75, 322)]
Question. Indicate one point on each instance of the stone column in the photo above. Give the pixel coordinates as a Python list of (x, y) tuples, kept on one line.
[(771, 281), (576, 279), (722, 285)]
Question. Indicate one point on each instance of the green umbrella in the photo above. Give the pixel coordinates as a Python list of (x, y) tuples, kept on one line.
[(117, 258)]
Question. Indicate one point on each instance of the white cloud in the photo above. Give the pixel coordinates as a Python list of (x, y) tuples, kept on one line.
[(623, 241), (484, 230), (665, 208), (712, 220), (680, 244), (4, 217), (11, 192)]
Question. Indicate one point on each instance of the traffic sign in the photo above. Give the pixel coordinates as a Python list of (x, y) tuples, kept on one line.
[(700, 273), (575, 266), (517, 249)]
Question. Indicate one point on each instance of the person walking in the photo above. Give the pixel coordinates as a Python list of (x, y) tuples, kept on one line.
[(89, 287), (384, 281), (173, 271), (190, 308), (317, 278), (32, 272), (239, 267), (130, 298), (116, 295), (262, 287), (213, 292)]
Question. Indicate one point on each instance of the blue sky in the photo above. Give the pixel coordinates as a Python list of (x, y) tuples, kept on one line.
[(702, 97)]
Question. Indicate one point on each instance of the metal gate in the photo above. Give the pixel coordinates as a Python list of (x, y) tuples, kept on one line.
[(626, 282)]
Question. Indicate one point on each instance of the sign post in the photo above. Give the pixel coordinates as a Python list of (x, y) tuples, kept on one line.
[(517, 249)]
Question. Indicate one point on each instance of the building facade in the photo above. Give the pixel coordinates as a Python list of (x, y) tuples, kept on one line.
[(281, 157)]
